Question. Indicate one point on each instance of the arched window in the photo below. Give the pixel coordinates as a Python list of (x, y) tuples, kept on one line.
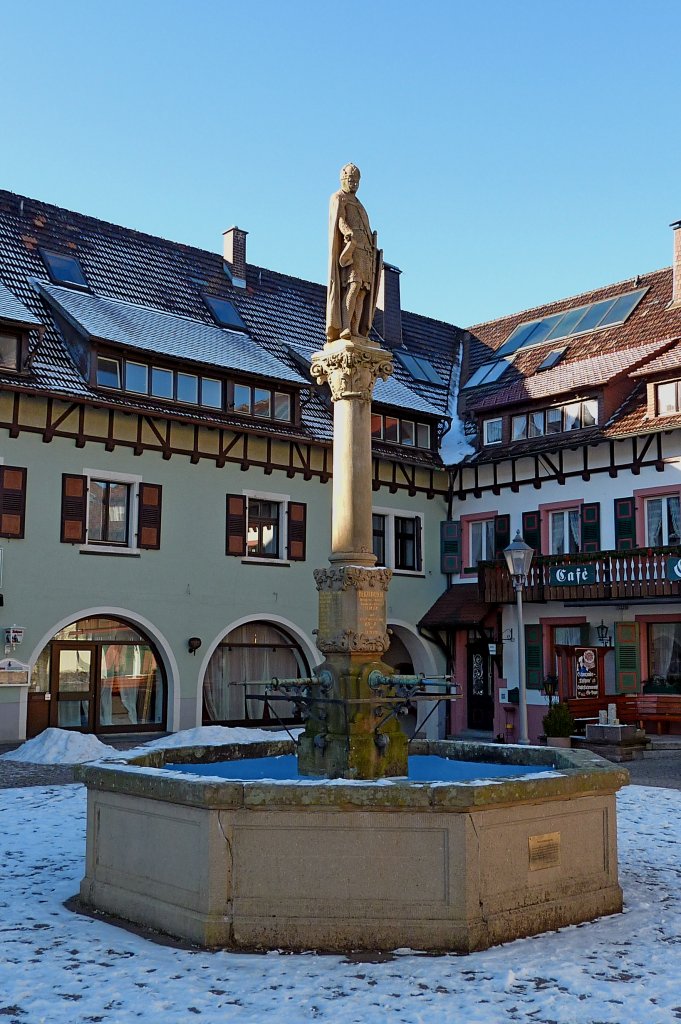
[(241, 667), (102, 675)]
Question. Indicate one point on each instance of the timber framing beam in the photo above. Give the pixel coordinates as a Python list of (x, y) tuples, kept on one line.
[(52, 417)]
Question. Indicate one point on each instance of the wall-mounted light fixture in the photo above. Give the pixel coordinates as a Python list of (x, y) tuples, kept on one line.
[(193, 644), (602, 634)]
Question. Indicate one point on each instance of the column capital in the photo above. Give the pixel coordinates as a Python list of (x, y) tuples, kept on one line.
[(351, 367)]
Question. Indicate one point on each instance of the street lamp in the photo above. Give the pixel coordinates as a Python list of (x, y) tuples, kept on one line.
[(518, 557)]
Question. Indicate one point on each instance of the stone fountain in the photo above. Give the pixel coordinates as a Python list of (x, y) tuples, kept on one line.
[(348, 853)]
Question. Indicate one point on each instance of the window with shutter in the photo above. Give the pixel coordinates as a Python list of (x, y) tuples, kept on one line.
[(591, 526), (149, 516), (532, 530), (236, 525), (398, 536), (450, 547), (625, 524), (74, 491), (297, 529), (627, 657), (534, 657), (12, 501)]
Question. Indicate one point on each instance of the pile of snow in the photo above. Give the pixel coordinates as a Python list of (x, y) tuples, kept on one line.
[(455, 446), (61, 746)]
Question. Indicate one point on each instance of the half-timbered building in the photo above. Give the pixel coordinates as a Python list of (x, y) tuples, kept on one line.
[(165, 466), (574, 409)]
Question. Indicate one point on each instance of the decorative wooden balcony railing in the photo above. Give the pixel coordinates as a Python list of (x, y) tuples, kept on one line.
[(618, 576)]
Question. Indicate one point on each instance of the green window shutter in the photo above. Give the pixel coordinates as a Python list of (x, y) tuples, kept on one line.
[(534, 657), (591, 526), (532, 530), (502, 534), (625, 524), (450, 547), (627, 657)]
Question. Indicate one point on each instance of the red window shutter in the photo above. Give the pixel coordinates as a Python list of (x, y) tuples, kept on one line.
[(236, 525), (532, 530), (73, 509), (591, 526), (450, 547), (12, 501), (149, 516), (297, 531)]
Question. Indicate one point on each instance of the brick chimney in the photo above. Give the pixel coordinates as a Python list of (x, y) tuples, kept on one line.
[(389, 303), (234, 254), (676, 268)]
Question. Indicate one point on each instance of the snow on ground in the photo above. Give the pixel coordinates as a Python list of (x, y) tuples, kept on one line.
[(61, 746), (57, 967)]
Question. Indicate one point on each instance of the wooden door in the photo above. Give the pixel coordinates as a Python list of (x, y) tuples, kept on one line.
[(72, 686)]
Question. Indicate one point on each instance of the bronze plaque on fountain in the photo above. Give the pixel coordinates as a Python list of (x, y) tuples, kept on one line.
[(544, 851)]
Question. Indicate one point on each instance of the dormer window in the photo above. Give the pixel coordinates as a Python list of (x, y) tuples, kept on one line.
[(182, 387), (224, 312), (492, 431), (64, 269), (669, 398), (9, 350)]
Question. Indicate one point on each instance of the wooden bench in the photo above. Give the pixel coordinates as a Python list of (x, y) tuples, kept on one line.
[(661, 708), (587, 709)]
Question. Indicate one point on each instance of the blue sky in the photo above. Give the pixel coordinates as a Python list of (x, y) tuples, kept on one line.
[(511, 152)]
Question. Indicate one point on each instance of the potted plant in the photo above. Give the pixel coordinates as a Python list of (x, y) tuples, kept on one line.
[(559, 726)]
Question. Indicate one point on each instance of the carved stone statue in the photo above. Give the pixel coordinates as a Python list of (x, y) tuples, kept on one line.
[(354, 263)]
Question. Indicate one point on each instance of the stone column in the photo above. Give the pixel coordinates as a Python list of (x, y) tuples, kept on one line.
[(340, 738)]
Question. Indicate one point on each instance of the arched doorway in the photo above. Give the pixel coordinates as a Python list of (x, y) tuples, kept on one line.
[(98, 675), (239, 669)]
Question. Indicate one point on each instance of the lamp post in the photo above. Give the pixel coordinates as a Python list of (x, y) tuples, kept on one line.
[(518, 557)]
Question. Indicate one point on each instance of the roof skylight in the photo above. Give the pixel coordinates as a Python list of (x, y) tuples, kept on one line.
[(63, 269), (420, 369), (582, 320), (487, 373), (225, 312), (551, 359)]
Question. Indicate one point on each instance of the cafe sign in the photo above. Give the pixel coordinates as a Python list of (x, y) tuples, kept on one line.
[(572, 575)]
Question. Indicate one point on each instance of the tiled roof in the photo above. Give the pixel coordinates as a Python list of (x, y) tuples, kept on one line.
[(167, 278), (643, 344), (571, 377), (150, 330), (669, 360), (458, 606), (14, 311)]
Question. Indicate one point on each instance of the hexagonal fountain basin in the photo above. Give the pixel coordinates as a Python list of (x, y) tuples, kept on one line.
[(337, 865)]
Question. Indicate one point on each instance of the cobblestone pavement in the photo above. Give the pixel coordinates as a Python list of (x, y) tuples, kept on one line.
[(661, 768)]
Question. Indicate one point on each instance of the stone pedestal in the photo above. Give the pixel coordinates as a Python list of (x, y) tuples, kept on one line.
[(347, 734)]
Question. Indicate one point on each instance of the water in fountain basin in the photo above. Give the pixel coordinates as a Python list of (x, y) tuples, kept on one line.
[(422, 768)]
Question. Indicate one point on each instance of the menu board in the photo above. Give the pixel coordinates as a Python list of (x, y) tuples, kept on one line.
[(586, 672)]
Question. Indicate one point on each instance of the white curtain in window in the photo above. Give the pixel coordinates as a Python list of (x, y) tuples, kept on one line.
[(663, 637), (574, 517), (557, 533), (654, 522), (674, 512)]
